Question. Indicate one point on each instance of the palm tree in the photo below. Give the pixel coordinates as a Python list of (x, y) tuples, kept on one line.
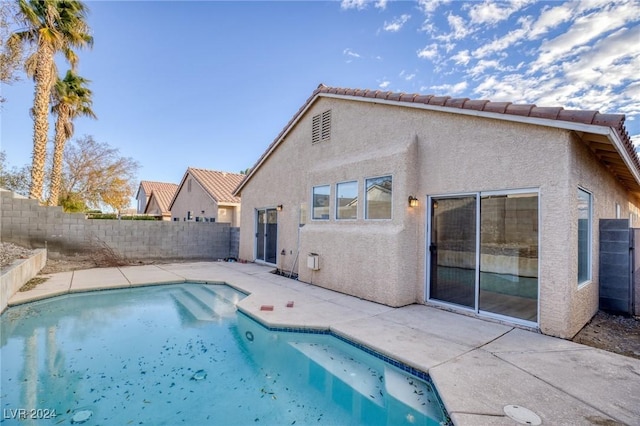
[(53, 26), (71, 98)]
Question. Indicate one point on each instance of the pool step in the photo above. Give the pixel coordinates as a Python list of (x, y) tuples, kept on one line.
[(195, 307), (357, 375), (226, 292), (411, 392), (214, 300)]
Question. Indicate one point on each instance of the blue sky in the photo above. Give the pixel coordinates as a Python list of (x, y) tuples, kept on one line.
[(211, 84)]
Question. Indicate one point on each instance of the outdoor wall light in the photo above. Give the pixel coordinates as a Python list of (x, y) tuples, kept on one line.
[(413, 201), (279, 207)]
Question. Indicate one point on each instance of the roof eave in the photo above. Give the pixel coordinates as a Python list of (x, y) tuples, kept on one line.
[(610, 133)]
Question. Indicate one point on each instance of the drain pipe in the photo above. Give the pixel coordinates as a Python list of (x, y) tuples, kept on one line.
[(295, 260)]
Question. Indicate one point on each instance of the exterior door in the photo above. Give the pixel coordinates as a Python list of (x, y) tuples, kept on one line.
[(452, 250), (267, 235), (483, 252)]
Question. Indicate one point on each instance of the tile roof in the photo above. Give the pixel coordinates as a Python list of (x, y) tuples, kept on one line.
[(219, 185), (163, 197), (449, 104), (150, 186)]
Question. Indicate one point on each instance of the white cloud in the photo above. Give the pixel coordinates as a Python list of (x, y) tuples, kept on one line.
[(609, 62), (353, 4), (576, 54), (508, 41), (491, 12), (428, 52), (362, 4), (407, 76), (462, 57), (459, 27), (585, 29), (381, 4), (550, 18), (482, 66), (450, 89), (396, 24), (351, 53), (429, 6)]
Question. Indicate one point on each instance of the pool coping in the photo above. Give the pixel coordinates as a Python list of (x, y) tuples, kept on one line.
[(478, 367)]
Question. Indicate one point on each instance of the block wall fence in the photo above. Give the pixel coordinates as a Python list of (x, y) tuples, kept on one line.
[(26, 223)]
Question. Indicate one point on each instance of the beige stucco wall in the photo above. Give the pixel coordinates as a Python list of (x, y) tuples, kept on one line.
[(142, 200), (155, 210), (229, 213), (197, 200), (427, 153), (590, 174)]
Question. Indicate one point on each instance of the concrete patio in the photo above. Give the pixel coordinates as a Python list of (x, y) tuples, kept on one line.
[(477, 366)]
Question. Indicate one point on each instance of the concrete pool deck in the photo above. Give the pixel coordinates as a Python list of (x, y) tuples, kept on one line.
[(477, 366)]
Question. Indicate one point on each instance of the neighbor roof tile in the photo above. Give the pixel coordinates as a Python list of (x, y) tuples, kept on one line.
[(220, 185)]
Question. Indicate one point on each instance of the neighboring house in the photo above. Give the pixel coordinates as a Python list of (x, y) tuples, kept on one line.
[(160, 200), (207, 196), (147, 187), (487, 208)]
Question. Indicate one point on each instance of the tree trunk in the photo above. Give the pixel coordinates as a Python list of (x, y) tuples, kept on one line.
[(44, 80), (58, 150)]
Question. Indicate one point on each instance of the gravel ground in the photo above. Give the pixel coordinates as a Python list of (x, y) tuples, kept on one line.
[(10, 252), (613, 333)]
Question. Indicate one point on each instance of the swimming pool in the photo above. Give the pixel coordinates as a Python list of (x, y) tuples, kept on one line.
[(181, 354)]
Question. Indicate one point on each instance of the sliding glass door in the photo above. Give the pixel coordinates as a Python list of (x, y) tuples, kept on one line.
[(452, 250), (483, 252), (509, 255), (266, 235)]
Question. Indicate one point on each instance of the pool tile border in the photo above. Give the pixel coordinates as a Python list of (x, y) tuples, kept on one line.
[(379, 355)]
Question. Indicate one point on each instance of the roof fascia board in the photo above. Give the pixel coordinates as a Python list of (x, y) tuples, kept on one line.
[(568, 125), (284, 134), (610, 133), (178, 189), (558, 124), (619, 146)]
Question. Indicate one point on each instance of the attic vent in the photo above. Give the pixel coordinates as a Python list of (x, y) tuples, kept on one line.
[(321, 127)]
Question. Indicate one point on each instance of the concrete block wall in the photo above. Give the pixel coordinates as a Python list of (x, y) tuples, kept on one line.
[(234, 242), (25, 222)]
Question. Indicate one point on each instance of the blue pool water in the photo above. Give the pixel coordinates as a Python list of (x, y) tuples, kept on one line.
[(181, 354)]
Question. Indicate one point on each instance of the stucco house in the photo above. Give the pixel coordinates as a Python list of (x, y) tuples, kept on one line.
[(486, 208), (207, 196), (158, 204), (147, 187)]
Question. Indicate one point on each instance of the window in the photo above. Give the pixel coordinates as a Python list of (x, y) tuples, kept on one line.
[(189, 185), (347, 200), (378, 197), (584, 236), (321, 127), (320, 203)]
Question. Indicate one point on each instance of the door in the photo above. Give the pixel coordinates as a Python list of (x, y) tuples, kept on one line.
[(483, 252), (452, 250), (266, 235)]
